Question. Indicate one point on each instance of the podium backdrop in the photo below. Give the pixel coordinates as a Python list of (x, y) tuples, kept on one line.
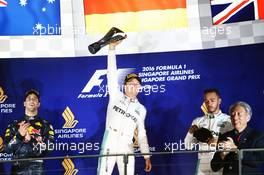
[(74, 99)]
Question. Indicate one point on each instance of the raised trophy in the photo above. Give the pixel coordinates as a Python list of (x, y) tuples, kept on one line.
[(114, 34)]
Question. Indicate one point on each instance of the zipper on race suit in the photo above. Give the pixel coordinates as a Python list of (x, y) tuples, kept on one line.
[(106, 161)]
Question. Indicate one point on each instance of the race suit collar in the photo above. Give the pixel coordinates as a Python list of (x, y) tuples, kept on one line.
[(31, 117), (130, 99), (210, 115)]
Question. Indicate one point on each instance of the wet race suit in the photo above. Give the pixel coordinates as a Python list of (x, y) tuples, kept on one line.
[(124, 115), (21, 148), (216, 123)]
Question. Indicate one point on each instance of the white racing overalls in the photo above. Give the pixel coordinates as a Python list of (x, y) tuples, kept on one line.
[(217, 123), (124, 115)]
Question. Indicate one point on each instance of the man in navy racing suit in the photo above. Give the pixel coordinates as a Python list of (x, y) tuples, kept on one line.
[(29, 138)]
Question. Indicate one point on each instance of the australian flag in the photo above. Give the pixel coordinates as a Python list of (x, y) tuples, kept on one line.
[(229, 11), (30, 17)]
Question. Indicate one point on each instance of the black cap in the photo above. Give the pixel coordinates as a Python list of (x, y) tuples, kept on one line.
[(129, 77), (32, 91)]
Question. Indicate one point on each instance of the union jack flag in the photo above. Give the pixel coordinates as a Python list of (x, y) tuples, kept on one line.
[(3, 3), (229, 11)]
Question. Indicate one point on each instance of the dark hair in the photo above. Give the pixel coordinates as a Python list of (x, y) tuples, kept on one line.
[(32, 91), (131, 76), (206, 91)]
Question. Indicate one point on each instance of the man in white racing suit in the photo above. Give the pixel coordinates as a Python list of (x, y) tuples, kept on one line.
[(124, 115), (213, 120)]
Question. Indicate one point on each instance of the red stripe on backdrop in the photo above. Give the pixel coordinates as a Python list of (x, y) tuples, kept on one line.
[(113, 6), (3, 3), (230, 13), (261, 9)]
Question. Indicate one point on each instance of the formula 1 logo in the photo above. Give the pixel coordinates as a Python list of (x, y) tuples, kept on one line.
[(69, 167), (94, 81), (96, 86), (69, 118), (3, 97), (1, 144)]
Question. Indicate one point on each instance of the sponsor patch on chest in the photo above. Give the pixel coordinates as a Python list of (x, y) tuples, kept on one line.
[(124, 113)]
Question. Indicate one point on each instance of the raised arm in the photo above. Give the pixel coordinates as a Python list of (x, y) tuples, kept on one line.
[(112, 74)]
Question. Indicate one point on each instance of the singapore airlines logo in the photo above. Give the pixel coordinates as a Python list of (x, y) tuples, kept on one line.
[(69, 118), (5, 108), (68, 130), (136, 144), (136, 138), (69, 167), (1, 144), (3, 97)]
